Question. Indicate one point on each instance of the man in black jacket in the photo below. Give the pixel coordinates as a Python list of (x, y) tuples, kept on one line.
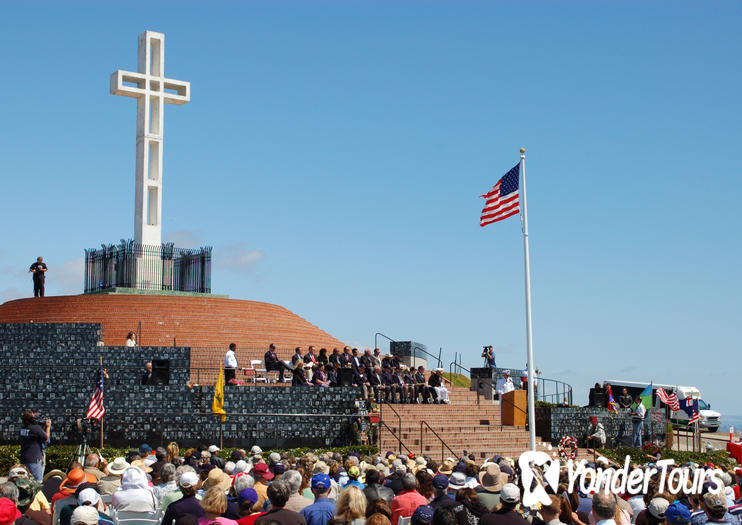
[(375, 487), (272, 362), (421, 386)]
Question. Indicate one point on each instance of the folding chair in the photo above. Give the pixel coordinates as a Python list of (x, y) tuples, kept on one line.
[(260, 371)]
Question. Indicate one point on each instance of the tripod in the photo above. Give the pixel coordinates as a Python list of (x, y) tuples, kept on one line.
[(83, 449)]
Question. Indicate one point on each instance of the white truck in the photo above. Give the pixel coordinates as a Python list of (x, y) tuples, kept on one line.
[(710, 419)]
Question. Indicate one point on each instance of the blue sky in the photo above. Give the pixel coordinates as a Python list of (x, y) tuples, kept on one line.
[(333, 153)]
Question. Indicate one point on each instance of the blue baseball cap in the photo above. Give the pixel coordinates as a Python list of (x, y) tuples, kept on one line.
[(321, 482), (144, 448), (422, 515), (248, 494), (677, 514), (440, 481)]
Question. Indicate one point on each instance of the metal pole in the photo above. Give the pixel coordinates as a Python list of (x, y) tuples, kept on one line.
[(529, 328)]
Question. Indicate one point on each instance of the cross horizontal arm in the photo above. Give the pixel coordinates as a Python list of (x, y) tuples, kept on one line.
[(137, 85)]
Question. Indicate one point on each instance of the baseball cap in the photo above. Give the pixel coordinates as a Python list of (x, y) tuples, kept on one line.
[(657, 507), (321, 481), (89, 496), (214, 449), (8, 512), (715, 501), (510, 493), (17, 472), (262, 470), (248, 494), (188, 480), (145, 448), (422, 515), (256, 450), (440, 481), (677, 514), (84, 514)]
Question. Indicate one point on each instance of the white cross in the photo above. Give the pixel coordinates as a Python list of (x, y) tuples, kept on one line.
[(152, 91)]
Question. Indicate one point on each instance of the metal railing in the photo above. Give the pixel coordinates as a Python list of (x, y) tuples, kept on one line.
[(142, 267), (399, 426), (423, 424)]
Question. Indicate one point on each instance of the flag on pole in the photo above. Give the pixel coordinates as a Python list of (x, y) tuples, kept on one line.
[(95, 409), (217, 405), (503, 200), (612, 405), (670, 400), (690, 407)]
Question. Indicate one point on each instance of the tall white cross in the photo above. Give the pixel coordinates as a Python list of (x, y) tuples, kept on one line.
[(152, 91)]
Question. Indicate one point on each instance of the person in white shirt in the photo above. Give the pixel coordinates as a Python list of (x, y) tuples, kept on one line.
[(230, 363), (131, 339), (638, 419), (134, 494), (504, 384)]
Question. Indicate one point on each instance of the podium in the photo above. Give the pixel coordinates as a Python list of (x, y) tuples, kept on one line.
[(514, 408)]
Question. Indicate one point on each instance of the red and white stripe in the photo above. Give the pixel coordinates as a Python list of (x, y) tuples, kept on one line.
[(496, 209), (96, 410)]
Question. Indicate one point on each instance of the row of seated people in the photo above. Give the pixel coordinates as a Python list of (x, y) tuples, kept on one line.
[(385, 379)]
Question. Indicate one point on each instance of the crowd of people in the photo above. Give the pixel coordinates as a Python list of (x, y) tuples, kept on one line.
[(169, 486), (379, 378)]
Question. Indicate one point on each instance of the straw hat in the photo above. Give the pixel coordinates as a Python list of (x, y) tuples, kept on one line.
[(491, 478), (118, 466), (217, 478), (141, 465)]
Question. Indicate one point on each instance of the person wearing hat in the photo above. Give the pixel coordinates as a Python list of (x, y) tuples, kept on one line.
[(504, 384), (188, 504), (323, 508), (8, 512), (405, 503), (84, 515), (505, 514), (677, 514), (436, 382), (134, 494), (112, 482), (442, 498), (595, 434), (86, 495), (75, 478), (456, 482), (262, 476), (491, 482), (247, 510), (31, 496), (423, 515), (715, 506), (353, 474)]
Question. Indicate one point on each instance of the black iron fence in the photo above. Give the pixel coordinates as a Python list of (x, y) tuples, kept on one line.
[(142, 267)]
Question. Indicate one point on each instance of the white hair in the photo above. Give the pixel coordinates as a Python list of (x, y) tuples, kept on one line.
[(293, 478), (243, 482), (229, 467)]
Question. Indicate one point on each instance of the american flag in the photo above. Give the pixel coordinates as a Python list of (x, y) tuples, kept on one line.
[(502, 200), (690, 407), (96, 410), (670, 400)]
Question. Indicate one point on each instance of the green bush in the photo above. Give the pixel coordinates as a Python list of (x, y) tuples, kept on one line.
[(717, 457), (60, 456)]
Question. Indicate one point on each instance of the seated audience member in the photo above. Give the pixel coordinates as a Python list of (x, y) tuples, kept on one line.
[(299, 378), (112, 482), (87, 496), (436, 381), (85, 515), (323, 509), (379, 506), (214, 504), (422, 388), (375, 488), (247, 509), (273, 363), (66, 495), (134, 494), (167, 483), (320, 377), (92, 464), (595, 434), (296, 501), (377, 519), (278, 494), (442, 499), (351, 506), (604, 506), (187, 504), (31, 496), (408, 499), (472, 510), (423, 515), (505, 513)]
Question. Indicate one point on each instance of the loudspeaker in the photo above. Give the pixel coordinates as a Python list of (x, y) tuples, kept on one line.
[(346, 377), (408, 348), (484, 373), (484, 387), (160, 372)]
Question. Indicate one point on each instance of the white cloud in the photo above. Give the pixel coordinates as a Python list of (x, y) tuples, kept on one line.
[(237, 257), (67, 278)]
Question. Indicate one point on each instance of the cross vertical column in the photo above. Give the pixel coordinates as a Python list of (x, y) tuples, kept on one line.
[(152, 91)]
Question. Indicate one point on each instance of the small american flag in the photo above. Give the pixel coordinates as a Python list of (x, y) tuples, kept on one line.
[(96, 410), (502, 201), (670, 400)]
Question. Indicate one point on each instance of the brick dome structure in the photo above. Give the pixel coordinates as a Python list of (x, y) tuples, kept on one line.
[(206, 324)]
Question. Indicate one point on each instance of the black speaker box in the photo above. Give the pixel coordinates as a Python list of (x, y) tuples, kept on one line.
[(160, 372), (485, 373), (483, 387)]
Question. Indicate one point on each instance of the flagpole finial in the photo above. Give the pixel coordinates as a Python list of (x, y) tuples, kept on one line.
[(522, 151)]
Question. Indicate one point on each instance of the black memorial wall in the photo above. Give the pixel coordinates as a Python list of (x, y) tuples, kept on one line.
[(52, 369)]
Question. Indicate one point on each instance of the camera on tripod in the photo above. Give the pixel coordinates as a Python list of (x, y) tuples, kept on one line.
[(84, 426)]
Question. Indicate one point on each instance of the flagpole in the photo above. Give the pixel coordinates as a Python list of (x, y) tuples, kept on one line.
[(529, 329), (100, 358)]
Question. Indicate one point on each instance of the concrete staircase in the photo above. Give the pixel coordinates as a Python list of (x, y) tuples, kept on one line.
[(461, 425)]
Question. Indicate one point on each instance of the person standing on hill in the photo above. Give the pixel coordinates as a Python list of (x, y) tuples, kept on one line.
[(38, 269)]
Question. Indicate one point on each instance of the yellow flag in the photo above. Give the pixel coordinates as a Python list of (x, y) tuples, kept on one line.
[(217, 406)]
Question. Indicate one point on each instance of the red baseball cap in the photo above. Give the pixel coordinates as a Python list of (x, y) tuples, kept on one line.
[(8, 512), (262, 469)]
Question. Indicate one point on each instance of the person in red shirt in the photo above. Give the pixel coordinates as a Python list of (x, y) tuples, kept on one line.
[(405, 503)]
